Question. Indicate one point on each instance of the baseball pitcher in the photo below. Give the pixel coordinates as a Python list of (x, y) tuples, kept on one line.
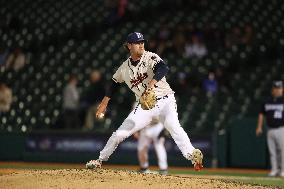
[(144, 72)]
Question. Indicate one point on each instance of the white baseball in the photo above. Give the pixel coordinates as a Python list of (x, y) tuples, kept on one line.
[(101, 115)]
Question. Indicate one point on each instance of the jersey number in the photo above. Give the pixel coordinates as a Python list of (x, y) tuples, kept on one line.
[(278, 114)]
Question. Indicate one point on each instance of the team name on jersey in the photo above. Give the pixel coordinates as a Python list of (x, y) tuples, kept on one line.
[(277, 107), (137, 77), (140, 78)]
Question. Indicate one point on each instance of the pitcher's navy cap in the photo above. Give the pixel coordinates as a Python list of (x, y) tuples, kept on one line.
[(135, 37), (277, 84)]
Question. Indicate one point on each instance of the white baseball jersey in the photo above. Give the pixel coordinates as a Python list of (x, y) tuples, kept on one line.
[(138, 77)]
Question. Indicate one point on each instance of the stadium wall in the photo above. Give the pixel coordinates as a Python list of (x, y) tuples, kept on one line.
[(235, 146), (72, 147)]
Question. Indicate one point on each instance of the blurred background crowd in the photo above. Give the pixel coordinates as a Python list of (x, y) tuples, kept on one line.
[(56, 57)]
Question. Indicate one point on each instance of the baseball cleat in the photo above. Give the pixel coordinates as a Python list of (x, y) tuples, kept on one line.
[(272, 174), (93, 164), (196, 158), (144, 170), (163, 172), (147, 171)]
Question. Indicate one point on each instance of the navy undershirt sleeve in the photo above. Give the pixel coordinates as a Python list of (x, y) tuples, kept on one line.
[(160, 70), (112, 87)]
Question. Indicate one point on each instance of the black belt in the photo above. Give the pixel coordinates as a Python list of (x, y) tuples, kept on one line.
[(163, 97), (276, 127)]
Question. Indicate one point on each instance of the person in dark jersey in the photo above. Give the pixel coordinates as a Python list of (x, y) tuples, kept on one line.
[(272, 109)]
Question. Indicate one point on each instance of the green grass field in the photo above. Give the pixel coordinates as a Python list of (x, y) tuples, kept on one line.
[(255, 177), (239, 176)]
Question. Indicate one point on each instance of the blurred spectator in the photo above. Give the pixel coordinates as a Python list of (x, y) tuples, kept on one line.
[(5, 98), (121, 8), (112, 9), (16, 60), (195, 83), (189, 29), (233, 38), (91, 97), (181, 86), (195, 48), (152, 45), (164, 33), (222, 80), (178, 41), (213, 37), (210, 84), (163, 38), (248, 35), (71, 103), (117, 9), (3, 56), (161, 48)]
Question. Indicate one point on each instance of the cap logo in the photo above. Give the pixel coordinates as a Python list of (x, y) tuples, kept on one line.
[(139, 35)]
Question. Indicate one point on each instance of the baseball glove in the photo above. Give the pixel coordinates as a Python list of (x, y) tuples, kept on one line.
[(148, 99)]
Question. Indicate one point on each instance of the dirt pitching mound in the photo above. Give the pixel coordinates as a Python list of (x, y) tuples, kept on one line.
[(107, 178)]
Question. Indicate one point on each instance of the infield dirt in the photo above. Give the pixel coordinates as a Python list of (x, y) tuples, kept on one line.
[(108, 179)]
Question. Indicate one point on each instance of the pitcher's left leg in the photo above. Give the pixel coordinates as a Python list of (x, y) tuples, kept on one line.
[(172, 124), (169, 116)]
